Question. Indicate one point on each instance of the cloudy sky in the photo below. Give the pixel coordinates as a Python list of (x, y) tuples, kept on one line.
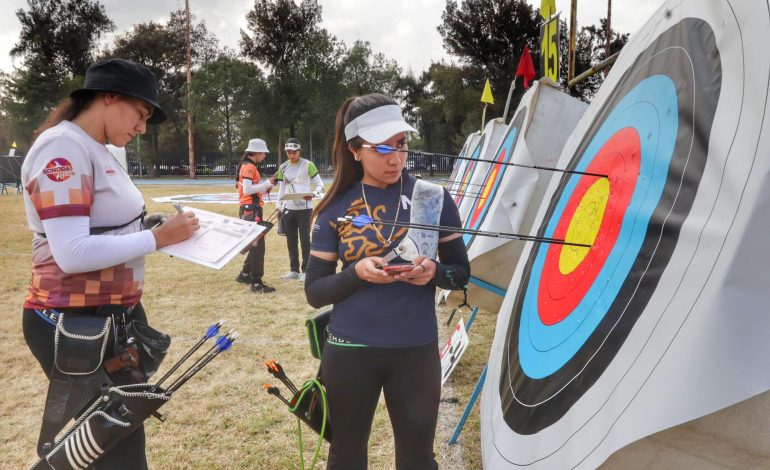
[(404, 30)]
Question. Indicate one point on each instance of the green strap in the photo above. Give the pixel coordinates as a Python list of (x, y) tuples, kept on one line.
[(306, 387)]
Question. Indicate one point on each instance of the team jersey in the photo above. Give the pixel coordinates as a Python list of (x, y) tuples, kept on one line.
[(250, 172), (68, 173), (300, 177), (382, 315)]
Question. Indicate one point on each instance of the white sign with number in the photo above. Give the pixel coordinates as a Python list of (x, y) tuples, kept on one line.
[(452, 351)]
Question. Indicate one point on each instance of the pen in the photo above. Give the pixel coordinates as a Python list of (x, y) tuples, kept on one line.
[(178, 207)]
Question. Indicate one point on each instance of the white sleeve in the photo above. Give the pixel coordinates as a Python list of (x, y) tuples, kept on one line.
[(319, 184), (263, 185), (281, 204), (75, 250), (250, 188)]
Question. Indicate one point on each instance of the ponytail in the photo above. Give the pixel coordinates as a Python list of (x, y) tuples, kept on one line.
[(67, 110)]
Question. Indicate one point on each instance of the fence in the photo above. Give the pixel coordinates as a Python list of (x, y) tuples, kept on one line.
[(417, 163)]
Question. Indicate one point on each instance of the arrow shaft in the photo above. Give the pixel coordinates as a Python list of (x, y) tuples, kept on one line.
[(175, 386), (211, 350), (521, 165), (484, 233), (179, 363)]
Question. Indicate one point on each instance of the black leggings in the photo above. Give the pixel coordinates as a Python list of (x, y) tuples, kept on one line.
[(297, 224), (254, 265), (411, 381), (39, 334)]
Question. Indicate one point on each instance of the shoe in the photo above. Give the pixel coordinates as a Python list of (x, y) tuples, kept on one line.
[(261, 288), (290, 275), (301, 277), (244, 278)]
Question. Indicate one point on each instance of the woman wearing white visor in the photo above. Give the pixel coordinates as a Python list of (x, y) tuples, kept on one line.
[(297, 176), (382, 336)]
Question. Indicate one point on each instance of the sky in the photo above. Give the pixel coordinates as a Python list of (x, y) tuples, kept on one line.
[(403, 30)]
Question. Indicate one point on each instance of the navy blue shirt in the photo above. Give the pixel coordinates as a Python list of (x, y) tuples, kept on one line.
[(383, 315)]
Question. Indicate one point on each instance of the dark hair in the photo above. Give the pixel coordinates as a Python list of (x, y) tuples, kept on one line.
[(67, 110), (346, 169)]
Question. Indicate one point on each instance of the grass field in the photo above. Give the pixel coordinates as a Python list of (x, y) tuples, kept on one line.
[(222, 418)]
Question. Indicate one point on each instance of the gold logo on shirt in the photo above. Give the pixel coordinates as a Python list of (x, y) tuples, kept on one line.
[(357, 240)]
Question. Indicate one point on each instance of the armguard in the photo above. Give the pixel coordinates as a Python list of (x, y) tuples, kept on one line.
[(454, 270)]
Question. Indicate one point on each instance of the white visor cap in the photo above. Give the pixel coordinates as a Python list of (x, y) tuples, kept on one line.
[(257, 146), (378, 125)]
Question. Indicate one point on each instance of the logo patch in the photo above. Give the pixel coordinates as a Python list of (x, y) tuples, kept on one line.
[(58, 169), (110, 171)]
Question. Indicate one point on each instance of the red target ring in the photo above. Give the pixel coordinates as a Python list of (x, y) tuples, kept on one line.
[(560, 292)]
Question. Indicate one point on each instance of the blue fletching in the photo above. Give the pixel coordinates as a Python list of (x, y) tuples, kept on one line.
[(220, 341), (362, 220), (225, 346), (213, 330)]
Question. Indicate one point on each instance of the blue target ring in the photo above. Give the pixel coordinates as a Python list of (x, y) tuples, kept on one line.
[(503, 155), (650, 108), (668, 96)]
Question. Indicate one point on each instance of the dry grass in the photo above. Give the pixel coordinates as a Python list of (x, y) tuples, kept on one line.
[(222, 418)]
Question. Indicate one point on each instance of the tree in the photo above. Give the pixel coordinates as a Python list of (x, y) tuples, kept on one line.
[(304, 63), (161, 47), (63, 33), (488, 36), (222, 89), (57, 44), (590, 49), (281, 31)]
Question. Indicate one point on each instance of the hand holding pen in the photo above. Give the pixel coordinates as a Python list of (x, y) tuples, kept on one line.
[(176, 228)]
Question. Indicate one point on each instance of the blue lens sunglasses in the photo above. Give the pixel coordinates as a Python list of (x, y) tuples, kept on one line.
[(383, 149)]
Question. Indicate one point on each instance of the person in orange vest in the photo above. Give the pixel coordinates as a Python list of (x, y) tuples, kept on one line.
[(251, 186)]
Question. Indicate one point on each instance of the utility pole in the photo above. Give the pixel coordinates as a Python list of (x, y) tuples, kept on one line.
[(607, 52), (572, 31), (190, 143)]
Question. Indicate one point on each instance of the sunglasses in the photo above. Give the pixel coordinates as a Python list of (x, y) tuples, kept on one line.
[(383, 149), (291, 147)]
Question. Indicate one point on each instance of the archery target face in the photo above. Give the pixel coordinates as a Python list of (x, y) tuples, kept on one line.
[(494, 177), (466, 172), (575, 307)]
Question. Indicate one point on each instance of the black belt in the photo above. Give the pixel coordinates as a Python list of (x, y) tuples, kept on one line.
[(53, 314), (102, 230)]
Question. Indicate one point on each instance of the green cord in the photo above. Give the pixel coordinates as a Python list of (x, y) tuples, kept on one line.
[(306, 387)]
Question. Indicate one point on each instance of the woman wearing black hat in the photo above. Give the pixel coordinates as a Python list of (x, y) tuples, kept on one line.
[(382, 335), (89, 245)]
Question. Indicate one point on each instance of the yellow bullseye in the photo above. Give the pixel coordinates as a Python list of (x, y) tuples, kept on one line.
[(584, 225)]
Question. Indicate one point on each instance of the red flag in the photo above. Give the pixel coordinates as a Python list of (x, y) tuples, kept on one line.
[(526, 69)]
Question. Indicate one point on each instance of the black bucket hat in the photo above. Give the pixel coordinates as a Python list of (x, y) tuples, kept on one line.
[(126, 78)]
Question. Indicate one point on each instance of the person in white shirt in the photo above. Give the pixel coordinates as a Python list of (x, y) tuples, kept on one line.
[(297, 176), (91, 237)]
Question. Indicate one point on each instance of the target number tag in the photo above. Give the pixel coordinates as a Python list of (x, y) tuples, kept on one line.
[(452, 351)]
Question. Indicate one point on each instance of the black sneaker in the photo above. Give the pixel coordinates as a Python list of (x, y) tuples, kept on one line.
[(244, 278), (261, 288)]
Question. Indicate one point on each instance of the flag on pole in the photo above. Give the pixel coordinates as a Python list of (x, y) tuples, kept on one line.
[(525, 68), (486, 96), (487, 99)]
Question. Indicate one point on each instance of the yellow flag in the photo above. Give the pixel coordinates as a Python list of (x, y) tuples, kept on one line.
[(486, 97), (547, 8), (13, 145)]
